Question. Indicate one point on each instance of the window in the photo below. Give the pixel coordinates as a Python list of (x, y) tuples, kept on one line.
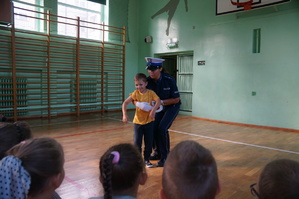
[(24, 18), (91, 15), (30, 15)]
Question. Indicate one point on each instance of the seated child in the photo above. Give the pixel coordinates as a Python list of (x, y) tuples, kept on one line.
[(32, 169), (122, 170), (3, 118), (12, 134), (279, 180), (190, 172)]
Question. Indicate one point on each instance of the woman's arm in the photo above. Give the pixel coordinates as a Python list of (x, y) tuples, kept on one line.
[(170, 101)]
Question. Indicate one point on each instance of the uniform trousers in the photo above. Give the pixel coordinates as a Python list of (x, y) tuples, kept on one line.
[(162, 123)]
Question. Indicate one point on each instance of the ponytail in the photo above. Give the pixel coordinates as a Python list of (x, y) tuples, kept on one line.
[(120, 168)]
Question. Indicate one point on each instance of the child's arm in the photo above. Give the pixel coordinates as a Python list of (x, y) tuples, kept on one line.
[(124, 109), (153, 111)]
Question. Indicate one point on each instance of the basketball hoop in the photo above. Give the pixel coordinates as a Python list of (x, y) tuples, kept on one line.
[(246, 5)]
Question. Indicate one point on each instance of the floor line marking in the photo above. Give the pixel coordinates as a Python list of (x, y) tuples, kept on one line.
[(78, 121), (68, 122), (235, 142), (76, 134), (79, 186), (207, 137)]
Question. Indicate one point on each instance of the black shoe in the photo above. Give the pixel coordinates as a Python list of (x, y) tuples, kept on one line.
[(161, 163), (155, 157)]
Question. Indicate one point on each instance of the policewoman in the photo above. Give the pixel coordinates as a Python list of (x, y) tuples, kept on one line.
[(165, 87)]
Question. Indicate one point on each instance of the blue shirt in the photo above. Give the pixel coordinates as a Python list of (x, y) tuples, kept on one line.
[(165, 87)]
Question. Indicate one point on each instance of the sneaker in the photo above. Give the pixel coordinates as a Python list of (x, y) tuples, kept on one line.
[(148, 164), (155, 156), (161, 163)]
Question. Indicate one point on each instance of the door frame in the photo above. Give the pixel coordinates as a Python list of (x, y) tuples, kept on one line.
[(173, 71)]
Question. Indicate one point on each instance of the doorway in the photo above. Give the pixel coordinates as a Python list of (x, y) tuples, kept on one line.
[(180, 66)]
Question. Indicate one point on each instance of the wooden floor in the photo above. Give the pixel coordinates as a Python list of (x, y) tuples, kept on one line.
[(240, 151)]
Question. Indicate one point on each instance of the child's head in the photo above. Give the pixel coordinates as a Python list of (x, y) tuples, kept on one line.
[(122, 170), (39, 162), (190, 171), (140, 82), (12, 134), (279, 180), (140, 77)]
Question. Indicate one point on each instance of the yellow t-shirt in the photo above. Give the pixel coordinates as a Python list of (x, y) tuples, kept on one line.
[(142, 117)]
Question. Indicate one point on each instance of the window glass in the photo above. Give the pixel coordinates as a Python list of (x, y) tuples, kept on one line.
[(87, 12), (28, 14)]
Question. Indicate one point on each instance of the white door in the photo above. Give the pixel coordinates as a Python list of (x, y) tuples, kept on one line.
[(184, 80)]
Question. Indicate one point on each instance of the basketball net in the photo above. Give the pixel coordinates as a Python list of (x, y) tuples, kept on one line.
[(246, 5)]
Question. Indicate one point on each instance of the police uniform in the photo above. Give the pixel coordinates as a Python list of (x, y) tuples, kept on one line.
[(165, 87)]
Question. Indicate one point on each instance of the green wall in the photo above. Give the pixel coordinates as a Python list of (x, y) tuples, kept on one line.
[(223, 87), (124, 13)]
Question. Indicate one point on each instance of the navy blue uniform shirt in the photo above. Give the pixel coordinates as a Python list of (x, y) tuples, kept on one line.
[(165, 87)]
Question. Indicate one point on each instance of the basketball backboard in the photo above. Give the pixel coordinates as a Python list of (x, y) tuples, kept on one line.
[(230, 6)]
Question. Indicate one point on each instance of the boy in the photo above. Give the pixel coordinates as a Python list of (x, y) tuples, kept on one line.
[(144, 115), (190, 172)]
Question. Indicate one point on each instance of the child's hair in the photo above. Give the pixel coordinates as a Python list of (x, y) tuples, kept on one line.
[(12, 134), (190, 171), (3, 118), (42, 158), (120, 167), (279, 180), (140, 76)]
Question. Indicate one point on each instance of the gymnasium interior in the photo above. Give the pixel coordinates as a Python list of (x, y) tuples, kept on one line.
[(67, 66)]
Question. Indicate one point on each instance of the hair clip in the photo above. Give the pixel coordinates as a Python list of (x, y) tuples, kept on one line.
[(116, 157)]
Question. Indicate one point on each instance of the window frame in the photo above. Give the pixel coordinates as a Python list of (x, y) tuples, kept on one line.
[(41, 8)]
